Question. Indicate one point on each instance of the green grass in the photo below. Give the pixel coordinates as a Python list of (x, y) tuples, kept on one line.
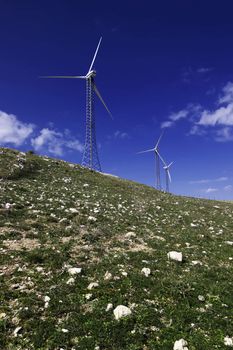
[(42, 235)]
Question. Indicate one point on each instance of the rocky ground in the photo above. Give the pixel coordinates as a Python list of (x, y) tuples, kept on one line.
[(89, 261)]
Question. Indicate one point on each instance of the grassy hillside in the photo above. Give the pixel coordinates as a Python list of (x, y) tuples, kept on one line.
[(55, 216)]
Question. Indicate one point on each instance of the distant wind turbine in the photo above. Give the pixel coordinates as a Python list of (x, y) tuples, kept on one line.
[(157, 161), (168, 175), (90, 154)]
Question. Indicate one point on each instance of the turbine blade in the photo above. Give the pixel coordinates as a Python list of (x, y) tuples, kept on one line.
[(148, 150), (63, 77), (169, 175), (100, 97), (96, 51), (160, 157), (157, 144), (170, 164)]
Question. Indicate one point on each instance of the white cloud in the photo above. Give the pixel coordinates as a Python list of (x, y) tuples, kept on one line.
[(218, 121), (227, 95), (179, 115), (222, 178), (166, 124), (13, 131), (221, 116), (197, 130), (224, 134), (228, 188), (204, 181), (55, 142), (121, 135), (203, 70), (190, 112), (210, 190)]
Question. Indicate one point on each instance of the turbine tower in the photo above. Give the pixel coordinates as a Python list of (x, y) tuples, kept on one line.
[(157, 161), (168, 175), (90, 155)]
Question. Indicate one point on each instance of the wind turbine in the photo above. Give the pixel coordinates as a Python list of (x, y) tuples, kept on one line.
[(90, 155), (168, 175), (157, 161)]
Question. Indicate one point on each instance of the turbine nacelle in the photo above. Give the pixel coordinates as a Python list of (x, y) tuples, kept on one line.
[(91, 74)]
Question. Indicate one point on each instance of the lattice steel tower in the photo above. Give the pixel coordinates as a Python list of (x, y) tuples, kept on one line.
[(90, 155), (158, 158)]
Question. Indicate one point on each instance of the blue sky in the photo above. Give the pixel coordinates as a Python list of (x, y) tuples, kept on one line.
[(161, 66)]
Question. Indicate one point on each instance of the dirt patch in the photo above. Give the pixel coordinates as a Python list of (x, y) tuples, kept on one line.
[(25, 243)]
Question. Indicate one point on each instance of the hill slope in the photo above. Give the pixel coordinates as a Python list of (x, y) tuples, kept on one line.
[(56, 216)]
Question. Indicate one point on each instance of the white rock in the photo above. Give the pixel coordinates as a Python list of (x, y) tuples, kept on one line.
[(228, 341), (73, 210), (229, 242), (46, 298), (16, 331), (180, 345), (109, 307), (70, 281), (121, 311), (2, 315), (107, 275), (91, 218), (92, 285), (124, 273), (196, 262), (130, 234), (85, 185), (146, 271), (39, 268), (64, 330), (201, 297), (176, 256), (8, 206), (74, 270), (88, 296)]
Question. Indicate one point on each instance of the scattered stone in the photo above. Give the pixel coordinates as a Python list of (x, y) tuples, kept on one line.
[(73, 210), (46, 298), (91, 218), (107, 276), (196, 262), (64, 330), (130, 234), (2, 315), (201, 298), (92, 285), (176, 256), (180, 345), (16, 331), (124, 273), (74, 270), (109, 307), (8, 206), (146, 271), (121, 311), (88, 296), (228, 341), (229, 242), (70, 281)]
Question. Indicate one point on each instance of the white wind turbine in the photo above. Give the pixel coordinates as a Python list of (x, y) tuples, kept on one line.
[(168, 175), (157, 161), (90, 155)]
